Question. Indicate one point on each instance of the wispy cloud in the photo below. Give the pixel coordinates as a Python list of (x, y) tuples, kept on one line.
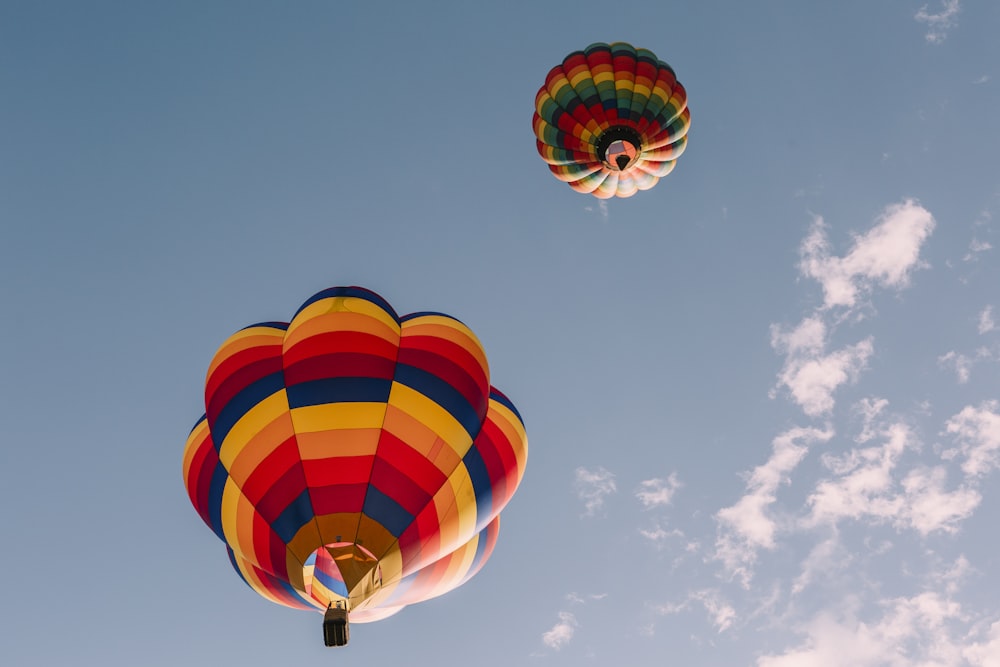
[(927, 629), (976, 430), (909, 631), (721, 612), (580, 598), (825, 557), (866, 486), (811, 376), (659, 535), (885, 256), (746, 527), (985, 653), (657, 492), (940, 23), (602, 209), (562, 632), (986, 323), (592, 487), (976, 247), (960, 363)]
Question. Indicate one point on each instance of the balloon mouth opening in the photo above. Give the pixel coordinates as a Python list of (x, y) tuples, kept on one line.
[(344, 571), (619, 147)]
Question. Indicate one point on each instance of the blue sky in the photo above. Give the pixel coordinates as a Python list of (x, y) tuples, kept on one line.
[(761, 398)]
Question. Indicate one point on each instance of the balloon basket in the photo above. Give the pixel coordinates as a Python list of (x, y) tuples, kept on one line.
[(335, 627)]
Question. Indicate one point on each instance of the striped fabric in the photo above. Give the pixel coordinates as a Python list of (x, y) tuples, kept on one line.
[(354, 455), (617, 89)]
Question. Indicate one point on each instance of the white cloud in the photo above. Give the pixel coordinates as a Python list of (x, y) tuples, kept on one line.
[(869, 409), (811, 376), (746, 527), (812, 381), (657, 492), (807, 339), (986, 323), (578, 598), (985, 654), (721, 612), (939, 24), (961, 364), (861, 483), (864, 487), (911, 632), (593, 486), (929, 628), (927, 507), (884, 256), (659, 535), (975, 247), (825, 557), (562, 632), (977, 432)]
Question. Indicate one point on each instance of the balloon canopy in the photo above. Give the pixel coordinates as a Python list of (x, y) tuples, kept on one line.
[(353, 458), (611, 120)]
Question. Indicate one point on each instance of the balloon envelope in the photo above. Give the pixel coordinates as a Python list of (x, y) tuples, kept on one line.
[(611, 120), (353, 456)]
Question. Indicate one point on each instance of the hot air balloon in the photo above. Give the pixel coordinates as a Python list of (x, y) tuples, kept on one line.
[(611, 120), (354, 461)]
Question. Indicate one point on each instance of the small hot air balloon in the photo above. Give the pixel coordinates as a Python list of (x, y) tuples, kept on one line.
[(611, 120), (354, 461)]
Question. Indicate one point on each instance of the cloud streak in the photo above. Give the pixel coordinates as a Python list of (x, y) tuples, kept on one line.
[(561, 633), (593, 487), (977, 434), (811, 375), (721, 612), (986, 323), (864, 486), (939, 24), (747, 526), (885, 256), (657, 492)]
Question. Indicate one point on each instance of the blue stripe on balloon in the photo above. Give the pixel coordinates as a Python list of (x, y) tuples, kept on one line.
[(242, 403), (339, 390), (298, 513), (386, 511), (354, 291), (215, 490), (441, 393), (481, 485), (502, 399), (334, 584)]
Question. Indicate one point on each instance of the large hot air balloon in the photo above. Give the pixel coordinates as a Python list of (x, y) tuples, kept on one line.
[(354, 461), (611, 120)]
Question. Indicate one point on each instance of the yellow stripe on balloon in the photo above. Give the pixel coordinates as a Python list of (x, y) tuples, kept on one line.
[(260, 446), (433, 416), (352, 309), (244, 340), (338, 416), (250, 424)]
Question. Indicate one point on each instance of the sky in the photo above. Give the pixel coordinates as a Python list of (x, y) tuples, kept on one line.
[(762, 398)]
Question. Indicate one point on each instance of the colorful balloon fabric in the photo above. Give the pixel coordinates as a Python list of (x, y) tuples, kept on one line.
[(353, 456), (611, 120)]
